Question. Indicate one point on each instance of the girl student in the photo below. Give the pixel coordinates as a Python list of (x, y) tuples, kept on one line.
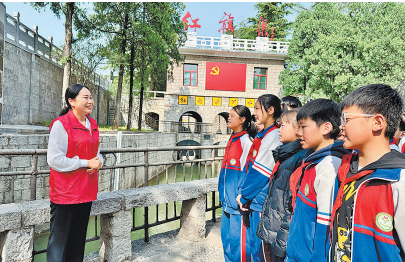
[(275, 220), (254, 182), (244, 130), (74, 157)]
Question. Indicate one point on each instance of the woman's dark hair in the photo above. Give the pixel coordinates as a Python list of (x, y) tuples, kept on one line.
[(269, 100), (71, 92), (249, 124)]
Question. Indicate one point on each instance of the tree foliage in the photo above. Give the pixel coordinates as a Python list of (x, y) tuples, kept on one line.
[(338, 47), (140, 37), (275, 13), (69, 10)]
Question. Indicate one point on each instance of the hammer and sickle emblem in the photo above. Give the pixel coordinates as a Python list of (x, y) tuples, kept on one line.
[(215, 71)]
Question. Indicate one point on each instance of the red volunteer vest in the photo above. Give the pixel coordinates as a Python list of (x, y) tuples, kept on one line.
[(77, 186)]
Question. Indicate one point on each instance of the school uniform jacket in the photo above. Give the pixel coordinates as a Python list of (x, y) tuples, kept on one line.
[(308, 239), (401, 145), (254, 181), (378, 229), (393, 145), (231, 171)]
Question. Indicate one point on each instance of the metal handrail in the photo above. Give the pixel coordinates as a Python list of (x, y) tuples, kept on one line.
[(34, 172)]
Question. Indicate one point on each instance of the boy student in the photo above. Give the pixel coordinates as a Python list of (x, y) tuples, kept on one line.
[(401, 137), (313, 183), (369, 212), (276, 216), (290, 103)]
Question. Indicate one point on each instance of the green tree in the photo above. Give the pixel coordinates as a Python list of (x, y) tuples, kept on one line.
[(161, 33), (69, 10), (142, 38), (338, 47), (110, 21), (275, 13)]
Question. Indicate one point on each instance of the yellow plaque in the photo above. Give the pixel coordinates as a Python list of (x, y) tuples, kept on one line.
[(183, 100), (216, 101), (250, 102), (233, 101), (199, 100)]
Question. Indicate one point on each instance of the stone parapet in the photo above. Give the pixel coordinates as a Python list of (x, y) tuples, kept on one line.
[(17, 221)]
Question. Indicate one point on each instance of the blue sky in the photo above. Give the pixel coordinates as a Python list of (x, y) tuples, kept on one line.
[(209, 14)]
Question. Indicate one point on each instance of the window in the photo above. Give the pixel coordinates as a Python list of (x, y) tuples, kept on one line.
[(190, 75), (260, 78)]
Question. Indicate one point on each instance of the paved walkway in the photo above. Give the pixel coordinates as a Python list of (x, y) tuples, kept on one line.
[(171, 248)]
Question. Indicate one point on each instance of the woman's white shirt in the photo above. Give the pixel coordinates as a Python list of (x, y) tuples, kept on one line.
[(58, 147)]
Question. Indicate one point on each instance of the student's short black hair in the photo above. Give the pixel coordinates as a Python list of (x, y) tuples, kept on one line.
[(378, 99), (401, 125), (290, 101), (322, 111)]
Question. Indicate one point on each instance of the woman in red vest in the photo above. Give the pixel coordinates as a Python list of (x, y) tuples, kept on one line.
[(74, 158)]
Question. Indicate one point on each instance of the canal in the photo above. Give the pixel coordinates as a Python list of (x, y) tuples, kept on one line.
[(174, 173)]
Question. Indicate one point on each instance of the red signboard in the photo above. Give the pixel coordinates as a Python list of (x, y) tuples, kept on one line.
[(225, 76)]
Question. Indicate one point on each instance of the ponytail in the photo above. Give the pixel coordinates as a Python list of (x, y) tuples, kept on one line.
[(64, 111), (249, 124), (71, 92)]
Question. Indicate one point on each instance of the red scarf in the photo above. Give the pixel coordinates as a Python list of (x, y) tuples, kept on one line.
[(229, 145), (255, 142), (294, 179), (342, 176)]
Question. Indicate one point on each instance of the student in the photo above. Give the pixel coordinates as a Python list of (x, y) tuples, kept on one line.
[(369, 212), (313, 183), (401, 136), (289, 103), (395, 140), (275, 221), (254, 182), (241, 122)]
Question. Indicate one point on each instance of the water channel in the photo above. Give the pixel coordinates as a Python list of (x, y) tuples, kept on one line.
[(41, 241)]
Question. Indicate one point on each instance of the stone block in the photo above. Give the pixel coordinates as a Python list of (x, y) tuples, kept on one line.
[(18, 141), (5, 184), (108, 202), (17, 245), (20, 161), (209, 185), (192, 219), (10, 217), (35, 212), (154, 195), (115, 237), (4, 141), (23, 183)]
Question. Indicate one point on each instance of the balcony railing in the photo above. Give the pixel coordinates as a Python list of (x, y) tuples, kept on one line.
[(228, 43)]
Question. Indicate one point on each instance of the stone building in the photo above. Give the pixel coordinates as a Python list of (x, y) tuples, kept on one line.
[(251, 69)]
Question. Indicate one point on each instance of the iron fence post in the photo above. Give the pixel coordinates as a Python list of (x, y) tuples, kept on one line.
[(33, 182), (146, 210)]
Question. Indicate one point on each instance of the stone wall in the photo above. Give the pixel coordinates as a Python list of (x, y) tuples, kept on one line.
[(17, 188), (32, 89)]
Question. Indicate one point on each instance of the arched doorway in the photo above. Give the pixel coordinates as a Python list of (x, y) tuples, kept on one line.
[(187, 154), (190, 122), (152, 120), (219, 125)]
